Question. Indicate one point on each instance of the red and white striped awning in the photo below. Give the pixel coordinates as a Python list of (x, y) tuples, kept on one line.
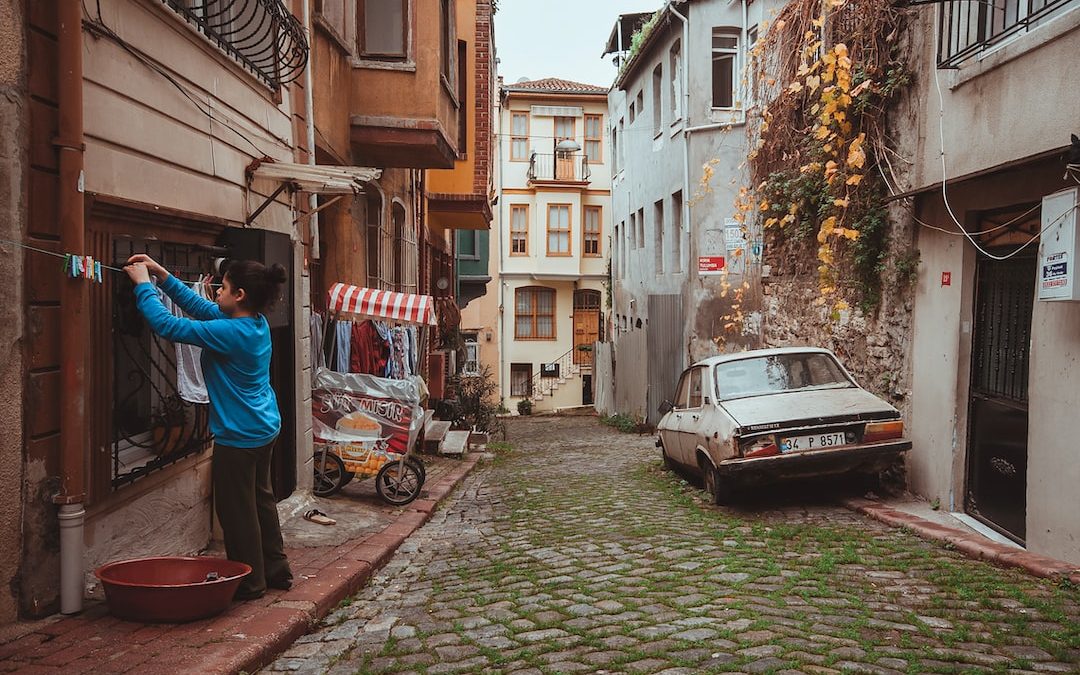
[(369, 303)]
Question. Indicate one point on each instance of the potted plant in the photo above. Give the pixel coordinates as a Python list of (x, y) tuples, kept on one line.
[(524, 406)]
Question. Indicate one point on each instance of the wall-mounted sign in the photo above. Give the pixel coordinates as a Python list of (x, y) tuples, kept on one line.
[(549, 370), (946, 278), (710, 265)]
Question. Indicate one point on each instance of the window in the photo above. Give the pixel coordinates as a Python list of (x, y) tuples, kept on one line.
[(631, 232), (565, 129), (519, 137), (373, 221), (658, 234), (725, 51), (590, 232), (398, 216), (676, 231), (694, 398), (622, 145), (468, 244), (558, 229), (383, 28), (594, 143), (520, 379), (337, 14), (751, 75), (640, 100), (616, 260), (462, 96), (968, 28), (446, 39), (471, 365), (633, 112), (519, 229), (675, 68), (615, 149), (657, 98), (641, 228), (534, 314)]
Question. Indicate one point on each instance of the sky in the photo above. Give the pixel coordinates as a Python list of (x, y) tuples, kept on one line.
[(535, 39)]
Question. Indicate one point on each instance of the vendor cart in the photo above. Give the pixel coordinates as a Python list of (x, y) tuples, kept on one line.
[(365, 425)]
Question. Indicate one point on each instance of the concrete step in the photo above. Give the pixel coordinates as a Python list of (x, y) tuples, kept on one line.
[(434, 435), (454, 443)]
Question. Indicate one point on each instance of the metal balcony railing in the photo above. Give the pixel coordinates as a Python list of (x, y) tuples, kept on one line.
[(967, 27), (544, 381), (557, 167), (262, 35)]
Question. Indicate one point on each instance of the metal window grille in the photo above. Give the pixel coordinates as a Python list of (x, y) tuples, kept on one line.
[(262, 35), (152, 426), (969, 27)]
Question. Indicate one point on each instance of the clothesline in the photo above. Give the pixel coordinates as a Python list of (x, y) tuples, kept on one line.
[(54, 254)]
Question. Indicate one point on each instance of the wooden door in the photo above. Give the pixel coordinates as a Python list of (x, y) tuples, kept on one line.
[(586, 332)]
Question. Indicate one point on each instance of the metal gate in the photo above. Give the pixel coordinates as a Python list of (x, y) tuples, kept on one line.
[(998, 407), (665, 352)]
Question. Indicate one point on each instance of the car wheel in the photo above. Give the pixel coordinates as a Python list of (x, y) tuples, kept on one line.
[(717, 487)]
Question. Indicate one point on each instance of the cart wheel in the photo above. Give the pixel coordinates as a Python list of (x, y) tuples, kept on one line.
[(349, 475), (398, 483), (420, 468), (330, 475)]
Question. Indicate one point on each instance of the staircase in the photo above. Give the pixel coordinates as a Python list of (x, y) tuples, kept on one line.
[(543, 386)]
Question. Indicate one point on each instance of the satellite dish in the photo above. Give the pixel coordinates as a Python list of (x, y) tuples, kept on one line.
[(522, 79), (442, 283)]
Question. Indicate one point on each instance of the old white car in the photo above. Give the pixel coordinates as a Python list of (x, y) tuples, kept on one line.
[(774, 414)]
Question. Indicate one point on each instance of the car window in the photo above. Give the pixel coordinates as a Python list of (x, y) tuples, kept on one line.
[(695, 388), (683, 392), (782, 372)]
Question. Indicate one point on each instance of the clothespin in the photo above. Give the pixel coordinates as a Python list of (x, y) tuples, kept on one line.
[(66, 268), (97, 272), (89, 271)]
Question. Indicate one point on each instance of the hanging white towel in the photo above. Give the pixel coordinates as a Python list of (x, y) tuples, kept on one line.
[(189, 375)]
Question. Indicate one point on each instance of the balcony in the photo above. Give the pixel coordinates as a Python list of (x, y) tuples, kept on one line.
[(969, 27), (559, 168)]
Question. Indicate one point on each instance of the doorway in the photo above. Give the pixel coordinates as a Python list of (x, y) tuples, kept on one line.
[(996, 490), (586, 325)]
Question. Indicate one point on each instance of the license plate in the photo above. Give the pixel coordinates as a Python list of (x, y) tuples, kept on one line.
[(813, 442)]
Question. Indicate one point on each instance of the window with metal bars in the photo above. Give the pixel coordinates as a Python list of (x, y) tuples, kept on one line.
[(967, 28)]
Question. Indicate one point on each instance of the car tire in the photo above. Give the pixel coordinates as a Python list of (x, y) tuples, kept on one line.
[(716, 486), (668, 463)]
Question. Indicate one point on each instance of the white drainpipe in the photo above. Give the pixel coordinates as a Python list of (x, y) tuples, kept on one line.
[(71, 517)]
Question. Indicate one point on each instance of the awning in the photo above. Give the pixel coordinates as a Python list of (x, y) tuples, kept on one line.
[(368, 303), (320, 179)]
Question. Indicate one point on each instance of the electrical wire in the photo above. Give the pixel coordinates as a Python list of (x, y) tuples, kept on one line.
[(944, 172), (981, 232)]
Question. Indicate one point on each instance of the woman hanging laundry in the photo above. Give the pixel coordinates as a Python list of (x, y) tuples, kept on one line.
[(244, 417)]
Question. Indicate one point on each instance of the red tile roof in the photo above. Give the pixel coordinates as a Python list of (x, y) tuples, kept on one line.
[(556, 86)]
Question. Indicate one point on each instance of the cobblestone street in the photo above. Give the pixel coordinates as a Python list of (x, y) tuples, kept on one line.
[(576, 552)]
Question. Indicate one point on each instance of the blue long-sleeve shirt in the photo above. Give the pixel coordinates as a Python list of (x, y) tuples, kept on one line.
[(235, 362)]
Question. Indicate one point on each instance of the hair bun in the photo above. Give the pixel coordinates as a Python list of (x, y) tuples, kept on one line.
[(276, 273)]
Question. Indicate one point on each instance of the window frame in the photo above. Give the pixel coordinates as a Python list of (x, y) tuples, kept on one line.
[(569, 231), (535, 313), (675, 57), (598, 139), (361, 52), (658, 99), (516, 137), (555, 128), (733, 53), (585, 210), (524, 233), (676, 232), (658, 237), (471, 341), (521, 368), (346, 33)]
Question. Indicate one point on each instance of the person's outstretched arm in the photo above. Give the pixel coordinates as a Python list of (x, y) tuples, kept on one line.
[(187, 299), (217, 335)]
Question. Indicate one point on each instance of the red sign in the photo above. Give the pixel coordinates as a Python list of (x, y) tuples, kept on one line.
[(710, 264), (946, 278)]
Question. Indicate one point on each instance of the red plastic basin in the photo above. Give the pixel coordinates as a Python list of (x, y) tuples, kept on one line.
[(170, 589)]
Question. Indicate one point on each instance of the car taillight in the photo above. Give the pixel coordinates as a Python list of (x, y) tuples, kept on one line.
[(883, 431), (761, 447)]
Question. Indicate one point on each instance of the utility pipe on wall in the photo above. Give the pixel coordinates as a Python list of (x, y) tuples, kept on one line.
[(74, 304), (309, 114)]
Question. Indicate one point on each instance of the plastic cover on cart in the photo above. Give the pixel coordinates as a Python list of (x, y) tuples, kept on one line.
[(357, 408)]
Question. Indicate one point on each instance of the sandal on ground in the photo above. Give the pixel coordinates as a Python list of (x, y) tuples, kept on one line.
[(317, 516)]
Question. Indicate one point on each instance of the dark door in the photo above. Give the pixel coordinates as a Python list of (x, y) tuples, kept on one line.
[(998, 409), (586, 390)]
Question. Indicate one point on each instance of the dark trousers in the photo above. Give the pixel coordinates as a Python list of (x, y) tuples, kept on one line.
[(246, 508)]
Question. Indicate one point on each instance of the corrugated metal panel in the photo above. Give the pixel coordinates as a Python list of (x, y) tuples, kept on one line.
[(604, 378), (556, 111), (630, 382), (666, 356)]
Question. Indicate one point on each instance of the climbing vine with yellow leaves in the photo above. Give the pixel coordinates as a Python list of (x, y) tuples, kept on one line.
[(826, 72)]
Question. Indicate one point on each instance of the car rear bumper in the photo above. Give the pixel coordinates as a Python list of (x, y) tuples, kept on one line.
[(864, 458)]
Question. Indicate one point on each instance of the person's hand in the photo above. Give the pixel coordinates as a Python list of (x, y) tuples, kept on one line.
[(151, 265), (139, 273)]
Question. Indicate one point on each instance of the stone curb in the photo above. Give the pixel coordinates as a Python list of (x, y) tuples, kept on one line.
[(274, 630), (971, 545)]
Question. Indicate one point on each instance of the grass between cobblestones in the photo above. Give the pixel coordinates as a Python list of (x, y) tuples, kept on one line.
[(578, 552)]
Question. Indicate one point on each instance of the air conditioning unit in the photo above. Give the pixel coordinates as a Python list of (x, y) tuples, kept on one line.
[(1059, 250)]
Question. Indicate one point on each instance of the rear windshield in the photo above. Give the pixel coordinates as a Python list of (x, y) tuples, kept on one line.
[(782, 372)]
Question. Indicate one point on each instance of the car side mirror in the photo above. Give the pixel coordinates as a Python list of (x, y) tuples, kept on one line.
[(666, 407)]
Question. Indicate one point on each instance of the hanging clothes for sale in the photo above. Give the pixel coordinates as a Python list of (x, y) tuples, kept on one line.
[(399, 367), (369, 350), (318, 356), (189, 376), (343, 345)]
